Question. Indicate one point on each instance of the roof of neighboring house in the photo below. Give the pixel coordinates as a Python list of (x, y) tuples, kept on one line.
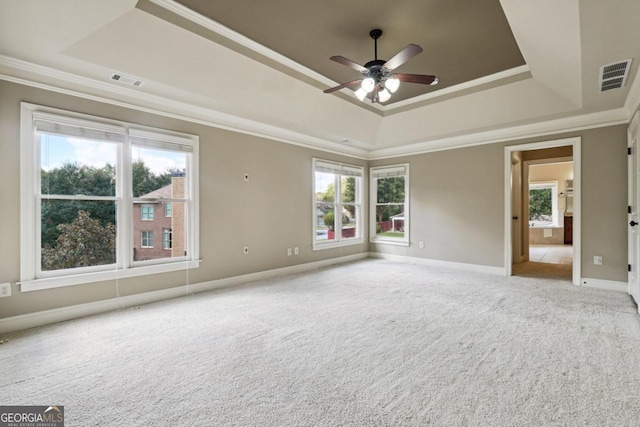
[(160, 193)]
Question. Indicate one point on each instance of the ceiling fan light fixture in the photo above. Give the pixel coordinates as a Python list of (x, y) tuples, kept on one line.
[(361, 94), (384, 95), (378, 78), (368, 84), (392, 84)]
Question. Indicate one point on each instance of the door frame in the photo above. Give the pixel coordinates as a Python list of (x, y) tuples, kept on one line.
[(633, 198), (575, 142)]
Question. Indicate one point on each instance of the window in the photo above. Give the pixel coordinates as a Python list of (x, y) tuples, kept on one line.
[(89, 186), (543, 204), (166, 238), (146, 239), (337, 188), (167, 209), (389, 213), (146, 212)]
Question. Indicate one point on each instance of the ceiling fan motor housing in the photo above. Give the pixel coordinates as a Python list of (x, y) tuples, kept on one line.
[(375, 69)]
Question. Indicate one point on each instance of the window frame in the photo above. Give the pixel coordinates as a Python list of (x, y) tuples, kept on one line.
[(555, 210), (346, 170), (149, 212), (388, 171), (31, 276), (167, 239), (149, 238)]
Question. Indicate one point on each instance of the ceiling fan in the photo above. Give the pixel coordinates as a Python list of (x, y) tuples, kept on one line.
[(379, 81)]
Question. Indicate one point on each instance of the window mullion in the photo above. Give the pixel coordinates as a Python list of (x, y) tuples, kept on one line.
[(337, 213), (124, 193)]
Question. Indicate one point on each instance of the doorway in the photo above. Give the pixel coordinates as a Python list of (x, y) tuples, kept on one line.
[(544, 243)]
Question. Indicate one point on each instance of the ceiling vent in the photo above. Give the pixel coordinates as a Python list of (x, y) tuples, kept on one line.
[(613, 76), (126, 79)]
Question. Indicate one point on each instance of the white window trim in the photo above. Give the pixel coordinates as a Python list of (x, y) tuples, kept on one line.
[(142, 239), (29, 173), (339, 242), (167, 232), (142, 209), (382, 172)]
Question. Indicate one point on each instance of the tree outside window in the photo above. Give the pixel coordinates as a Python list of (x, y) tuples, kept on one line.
[(337, 206), (80, 218), (389, 197), (543, 204)]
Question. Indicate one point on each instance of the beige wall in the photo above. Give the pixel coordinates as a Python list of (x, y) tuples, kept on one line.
[(269, 213), (456, 204)]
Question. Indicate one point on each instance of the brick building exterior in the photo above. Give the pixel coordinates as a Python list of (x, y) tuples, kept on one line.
[(159, 223)]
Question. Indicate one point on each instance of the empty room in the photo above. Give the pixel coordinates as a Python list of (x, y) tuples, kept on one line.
[(302, 213)]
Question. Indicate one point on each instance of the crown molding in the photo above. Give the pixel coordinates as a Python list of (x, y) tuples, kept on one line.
[(545, 128), (106, 92), (632, 103), (260, 52), (497, 79), (11, 68)]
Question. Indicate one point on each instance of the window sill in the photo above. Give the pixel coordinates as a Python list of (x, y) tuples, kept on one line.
[(101, 276), (389, 242), (322, 246)]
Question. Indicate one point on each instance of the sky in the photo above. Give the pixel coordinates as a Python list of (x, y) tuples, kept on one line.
[(323, 180), (57, 150)]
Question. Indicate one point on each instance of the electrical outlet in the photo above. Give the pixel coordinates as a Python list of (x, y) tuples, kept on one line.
[(296, 251), (5, 289), (246, 250), (421, 244), (288, 251), (597, 260)]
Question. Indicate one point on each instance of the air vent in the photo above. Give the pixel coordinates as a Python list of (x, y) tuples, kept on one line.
[(613, 76), (126, 79)]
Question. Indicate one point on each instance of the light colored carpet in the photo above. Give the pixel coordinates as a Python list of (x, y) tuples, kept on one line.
[(373, 343)]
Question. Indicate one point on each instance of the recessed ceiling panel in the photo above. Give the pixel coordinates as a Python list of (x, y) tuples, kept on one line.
[(462, 40)]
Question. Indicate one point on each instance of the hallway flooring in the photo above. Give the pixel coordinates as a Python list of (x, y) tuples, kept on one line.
[(551, 254), (547, 261)]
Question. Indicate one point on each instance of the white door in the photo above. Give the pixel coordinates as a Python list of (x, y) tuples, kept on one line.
[(633, 217)]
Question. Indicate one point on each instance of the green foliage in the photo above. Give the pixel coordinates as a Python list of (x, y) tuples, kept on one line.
[(329, 220), (390, 190), (75, 179), (327, 196), (144, 181), (82, 243), (540, 207)]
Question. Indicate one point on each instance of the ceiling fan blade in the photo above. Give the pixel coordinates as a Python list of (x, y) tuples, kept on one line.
[(415, 78), (403, 56), (349, 63), (343, 85)]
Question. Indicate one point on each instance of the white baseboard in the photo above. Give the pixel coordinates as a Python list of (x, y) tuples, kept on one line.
[(500, 271), (609, 285), (41, 318)]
